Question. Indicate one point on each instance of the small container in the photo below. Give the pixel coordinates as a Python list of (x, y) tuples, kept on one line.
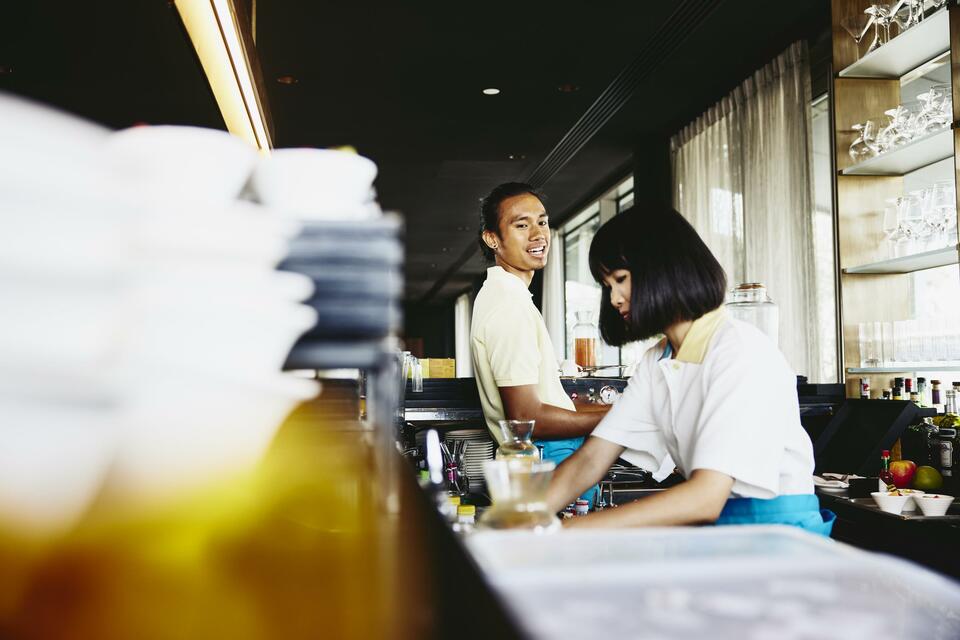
[(581, 507), (749, 302), (934, 504), (586, 337), (466, 518), (889, 503)]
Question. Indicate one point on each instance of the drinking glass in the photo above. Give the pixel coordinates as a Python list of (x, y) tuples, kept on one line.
[(517, 442), (880, 13), (857, 26), (943, 208), (859, 150), (891, 226), (870, 344), (870, 137), (910, 14)]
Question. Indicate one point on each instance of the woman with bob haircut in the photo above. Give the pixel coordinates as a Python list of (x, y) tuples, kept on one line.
[(714, 397)]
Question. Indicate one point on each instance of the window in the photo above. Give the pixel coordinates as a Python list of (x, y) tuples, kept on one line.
[(581, 294)]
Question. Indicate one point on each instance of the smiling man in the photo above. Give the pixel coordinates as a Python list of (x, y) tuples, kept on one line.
[(513, 357)]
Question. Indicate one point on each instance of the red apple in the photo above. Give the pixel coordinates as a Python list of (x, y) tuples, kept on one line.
[(903, 471)]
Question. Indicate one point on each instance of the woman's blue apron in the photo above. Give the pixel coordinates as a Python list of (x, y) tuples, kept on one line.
[(560, 450), (797, 510)]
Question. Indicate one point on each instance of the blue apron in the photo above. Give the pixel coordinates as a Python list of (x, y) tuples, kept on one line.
[(560, 450), (798, 510)]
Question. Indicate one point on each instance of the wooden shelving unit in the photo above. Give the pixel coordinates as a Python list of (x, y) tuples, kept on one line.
[(874, 287)]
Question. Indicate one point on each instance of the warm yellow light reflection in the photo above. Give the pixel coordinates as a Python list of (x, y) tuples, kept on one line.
[(213, 29)]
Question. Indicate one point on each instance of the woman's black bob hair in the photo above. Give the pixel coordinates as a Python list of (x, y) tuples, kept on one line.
[(674, 277)]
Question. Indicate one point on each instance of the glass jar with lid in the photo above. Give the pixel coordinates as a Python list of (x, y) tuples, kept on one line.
[(586, 339), (749, 302)]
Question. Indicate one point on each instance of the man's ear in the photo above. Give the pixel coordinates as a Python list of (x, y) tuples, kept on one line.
[(491, 239)]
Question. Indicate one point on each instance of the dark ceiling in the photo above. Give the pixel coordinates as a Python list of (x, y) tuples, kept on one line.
[(402, 83)]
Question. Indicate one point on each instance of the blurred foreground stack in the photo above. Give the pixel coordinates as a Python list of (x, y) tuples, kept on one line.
[(144, 491)]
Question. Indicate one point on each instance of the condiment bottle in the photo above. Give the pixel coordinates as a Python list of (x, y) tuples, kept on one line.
[(935, 393), (886, 477), (466, 518), (864, 389)]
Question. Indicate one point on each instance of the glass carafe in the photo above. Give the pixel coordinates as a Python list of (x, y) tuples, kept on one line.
[(517, 439), (518, 488), (751, 303), (586, 338)]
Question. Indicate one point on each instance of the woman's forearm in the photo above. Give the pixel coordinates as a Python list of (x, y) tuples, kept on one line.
[(580, 471), (699, 500)]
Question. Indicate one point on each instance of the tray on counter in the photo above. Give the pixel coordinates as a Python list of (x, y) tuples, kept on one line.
[(952, 515)]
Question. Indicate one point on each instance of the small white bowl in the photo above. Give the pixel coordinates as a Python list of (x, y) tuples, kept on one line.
[(888, 503), (934, 504), (913, 494)]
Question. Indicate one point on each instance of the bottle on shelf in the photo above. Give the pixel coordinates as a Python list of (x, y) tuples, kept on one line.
[(886, 476), (864, 388), (946, 438), (897, 392), (907, 387), (924, 392), (581, 507), (935, 393), (915, 398), (887, 394)]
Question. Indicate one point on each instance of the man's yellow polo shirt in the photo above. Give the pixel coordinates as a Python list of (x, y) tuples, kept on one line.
[(511, 347)]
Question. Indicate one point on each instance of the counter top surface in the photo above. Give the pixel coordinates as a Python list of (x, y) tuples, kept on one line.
[(718, 582)]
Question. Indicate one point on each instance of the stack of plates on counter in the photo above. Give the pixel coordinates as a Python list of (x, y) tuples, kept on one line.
[(480, 448), (144, 322)]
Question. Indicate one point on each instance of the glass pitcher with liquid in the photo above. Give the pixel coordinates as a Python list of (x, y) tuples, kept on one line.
[(749, 302), (517, 439), (518, 488), (586, 339)]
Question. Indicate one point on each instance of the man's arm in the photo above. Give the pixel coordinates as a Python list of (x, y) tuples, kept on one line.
[(699, 500), (553, 423)]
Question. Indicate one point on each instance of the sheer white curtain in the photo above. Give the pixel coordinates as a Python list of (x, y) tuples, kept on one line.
[(742, 176), (553, 311), (462, 314)]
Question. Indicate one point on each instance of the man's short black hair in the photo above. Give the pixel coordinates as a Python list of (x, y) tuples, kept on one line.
[(490, 209), (674, 277)]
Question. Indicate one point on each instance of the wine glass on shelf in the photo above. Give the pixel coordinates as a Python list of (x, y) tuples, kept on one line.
[(871, 138), (859, 151), (857, 26), (880, 13), (909, 13), (891, 226), (943, 204)]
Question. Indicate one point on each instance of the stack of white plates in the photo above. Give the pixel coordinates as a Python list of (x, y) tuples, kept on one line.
[(144, 323), (480, 448)]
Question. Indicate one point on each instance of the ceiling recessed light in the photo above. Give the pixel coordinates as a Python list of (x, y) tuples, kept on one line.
[(443, 249), (287, 80), (492, 91), (433, 265)]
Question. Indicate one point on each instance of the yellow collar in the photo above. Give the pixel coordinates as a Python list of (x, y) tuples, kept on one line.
[(694, 347)]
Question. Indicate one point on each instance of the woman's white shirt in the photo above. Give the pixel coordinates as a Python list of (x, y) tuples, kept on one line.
[(727, 402)]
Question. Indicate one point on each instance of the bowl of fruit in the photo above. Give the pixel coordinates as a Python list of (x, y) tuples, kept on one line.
[(934, 504)]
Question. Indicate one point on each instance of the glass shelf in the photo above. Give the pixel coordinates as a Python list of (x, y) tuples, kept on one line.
[(909, 264), (910, 157), (905, 52), (904, 368)]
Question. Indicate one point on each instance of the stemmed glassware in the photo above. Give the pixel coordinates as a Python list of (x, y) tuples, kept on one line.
[(921, 220), (857, 26), (909, 14), (881, 18)]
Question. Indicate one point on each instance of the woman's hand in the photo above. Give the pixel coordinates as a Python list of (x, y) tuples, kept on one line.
[(699, 500)]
